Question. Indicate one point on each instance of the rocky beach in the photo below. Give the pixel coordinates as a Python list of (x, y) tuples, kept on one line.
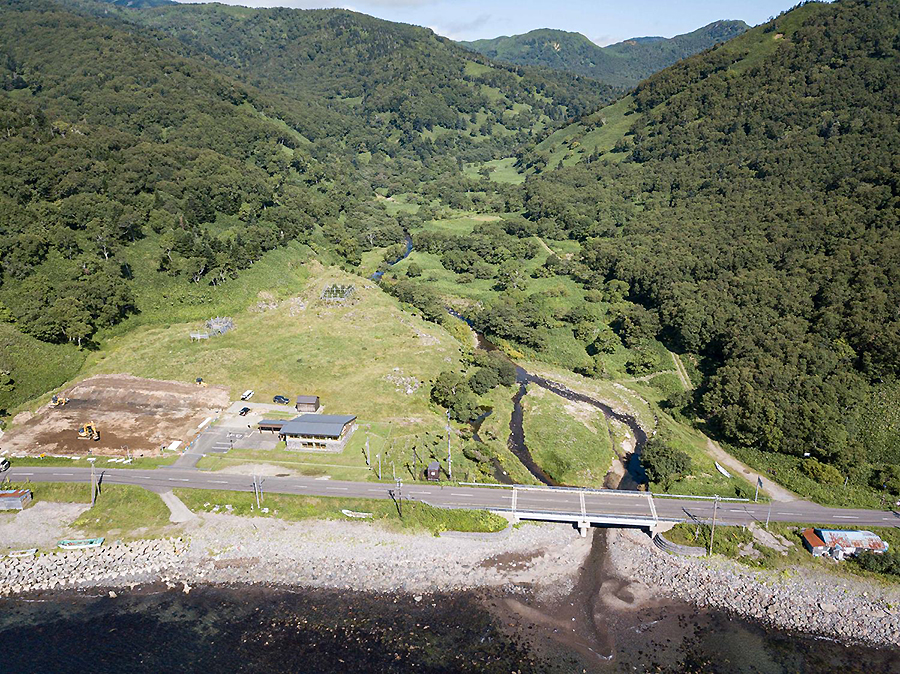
[(225, 549), (541, 560)]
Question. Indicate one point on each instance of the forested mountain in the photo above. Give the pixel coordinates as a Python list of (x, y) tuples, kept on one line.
[(750, 204), (109, 137), (408, 89), (623, 64)]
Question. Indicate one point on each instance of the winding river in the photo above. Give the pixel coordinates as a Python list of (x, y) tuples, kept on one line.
[(634, 474)]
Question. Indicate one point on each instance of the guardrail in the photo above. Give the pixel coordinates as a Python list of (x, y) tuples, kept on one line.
[(594, 490)]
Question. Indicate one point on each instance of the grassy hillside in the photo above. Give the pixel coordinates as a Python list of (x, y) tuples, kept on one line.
[(621, 65), (335, 352)]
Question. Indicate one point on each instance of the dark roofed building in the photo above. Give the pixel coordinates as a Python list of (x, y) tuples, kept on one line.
[(271, 425), (307, 404), (318, 432)]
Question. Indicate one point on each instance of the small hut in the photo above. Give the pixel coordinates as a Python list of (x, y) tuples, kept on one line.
[(14, 499), (433, 473), (308, 404)]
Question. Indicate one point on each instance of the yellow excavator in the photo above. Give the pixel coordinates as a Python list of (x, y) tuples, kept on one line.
[(88, 432), (200, 382), (58, 401)]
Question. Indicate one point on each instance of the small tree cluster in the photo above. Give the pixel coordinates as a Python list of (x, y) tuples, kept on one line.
[(887, 562), (663, 463), (458, 394)]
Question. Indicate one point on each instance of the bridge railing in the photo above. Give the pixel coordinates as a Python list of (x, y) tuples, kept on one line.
[(605, 492)]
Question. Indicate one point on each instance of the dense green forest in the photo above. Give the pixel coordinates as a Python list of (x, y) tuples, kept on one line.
[(408, 91), (109, 138), (623, 64), (751, 209)]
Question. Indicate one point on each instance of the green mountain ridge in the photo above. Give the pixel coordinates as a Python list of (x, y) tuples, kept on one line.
[(748, 198), (740, 206), (623, 64)]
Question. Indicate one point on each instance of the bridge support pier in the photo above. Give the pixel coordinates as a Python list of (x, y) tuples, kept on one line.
[(583, 528)]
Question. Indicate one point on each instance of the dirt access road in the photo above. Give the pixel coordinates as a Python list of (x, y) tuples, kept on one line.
[(142, 415)]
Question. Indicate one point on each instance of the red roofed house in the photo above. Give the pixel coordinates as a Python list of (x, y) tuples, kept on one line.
[(840, 544)]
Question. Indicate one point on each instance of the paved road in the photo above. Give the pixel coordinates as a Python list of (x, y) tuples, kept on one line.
[(547, 500), (213, 440)]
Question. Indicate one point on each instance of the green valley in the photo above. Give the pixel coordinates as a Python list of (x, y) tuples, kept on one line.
[(737, 208)]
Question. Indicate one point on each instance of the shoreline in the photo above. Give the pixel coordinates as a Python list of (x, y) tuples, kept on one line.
[(226, 549), (546, 562), (850, 611)]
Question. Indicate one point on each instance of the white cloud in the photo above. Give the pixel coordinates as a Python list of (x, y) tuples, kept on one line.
[(461, 30)]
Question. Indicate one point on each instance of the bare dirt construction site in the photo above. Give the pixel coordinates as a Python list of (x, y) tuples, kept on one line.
[(133, 415)]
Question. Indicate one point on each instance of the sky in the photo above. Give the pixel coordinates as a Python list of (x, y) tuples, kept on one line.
[(603, 21)]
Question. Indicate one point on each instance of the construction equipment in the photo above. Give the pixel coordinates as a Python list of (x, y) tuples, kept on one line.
[(58, 401), (200, 382), (88, 432)]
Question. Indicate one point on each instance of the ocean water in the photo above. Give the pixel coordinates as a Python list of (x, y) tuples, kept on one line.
[(258, 629)]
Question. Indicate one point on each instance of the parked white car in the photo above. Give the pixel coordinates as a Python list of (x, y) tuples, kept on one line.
[(246, 395)]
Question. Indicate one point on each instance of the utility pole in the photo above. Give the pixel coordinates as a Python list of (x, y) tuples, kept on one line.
[(93, 483), (449, 456), (393, 471), (758, 485), (768, 515), (712, 534), (256, 491), (379, 466), (367, 450), (400, 497)]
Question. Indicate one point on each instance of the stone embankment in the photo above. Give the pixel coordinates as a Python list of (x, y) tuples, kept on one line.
[(111, 565), (226, 549), (804, 600)]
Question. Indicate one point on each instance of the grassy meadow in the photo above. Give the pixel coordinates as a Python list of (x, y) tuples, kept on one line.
[(570, 441), (347, 354), (123, 511)]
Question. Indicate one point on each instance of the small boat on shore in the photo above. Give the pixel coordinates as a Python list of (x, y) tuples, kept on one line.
[(22, 553), (80, 544), (351, 513), (722, 470)]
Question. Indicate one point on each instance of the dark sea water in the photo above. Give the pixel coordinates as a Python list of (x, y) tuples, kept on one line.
[(252, 629)]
